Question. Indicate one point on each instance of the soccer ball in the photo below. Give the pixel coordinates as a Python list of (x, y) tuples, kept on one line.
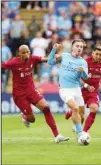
[(84, 139)]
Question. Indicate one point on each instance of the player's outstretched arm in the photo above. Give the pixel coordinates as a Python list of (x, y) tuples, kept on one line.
[(53, 57)]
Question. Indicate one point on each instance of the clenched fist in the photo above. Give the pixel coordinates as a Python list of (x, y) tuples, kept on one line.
[(58, 47)]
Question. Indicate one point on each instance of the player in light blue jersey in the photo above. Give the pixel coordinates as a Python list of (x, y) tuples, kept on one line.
[(72, 68)]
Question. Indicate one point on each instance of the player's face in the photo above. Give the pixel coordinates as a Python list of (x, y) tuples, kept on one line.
[(97, 55), (24, 54), (77, 48)]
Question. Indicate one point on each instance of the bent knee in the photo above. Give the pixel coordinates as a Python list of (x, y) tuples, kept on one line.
[(93, 107), (75, 110), (94, 110)]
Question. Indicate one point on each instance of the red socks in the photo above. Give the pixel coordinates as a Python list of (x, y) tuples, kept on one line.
[(89, 121), (50, 120)]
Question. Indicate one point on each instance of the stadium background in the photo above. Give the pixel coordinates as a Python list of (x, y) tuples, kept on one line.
[(40, 24)]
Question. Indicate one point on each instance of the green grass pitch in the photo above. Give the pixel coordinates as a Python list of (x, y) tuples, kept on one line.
[(35, 145)]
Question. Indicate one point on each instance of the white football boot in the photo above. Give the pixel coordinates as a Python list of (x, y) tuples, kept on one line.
[(59, 138)]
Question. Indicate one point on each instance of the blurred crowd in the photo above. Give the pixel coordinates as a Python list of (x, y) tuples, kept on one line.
[(62, 25)]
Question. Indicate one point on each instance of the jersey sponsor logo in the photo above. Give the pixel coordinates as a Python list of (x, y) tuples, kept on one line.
[(90, 75), (96, 76), (91, 68), (25, 74), (97, 70), (28, 73), (27, 68)]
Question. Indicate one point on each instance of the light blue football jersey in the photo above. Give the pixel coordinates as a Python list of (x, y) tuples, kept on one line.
[(68, 76)]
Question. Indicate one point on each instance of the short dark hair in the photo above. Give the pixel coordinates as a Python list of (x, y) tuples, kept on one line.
[(97, 47), (79, 40)]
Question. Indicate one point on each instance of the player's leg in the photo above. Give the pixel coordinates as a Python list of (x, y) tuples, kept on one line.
[(43, 106), (68, 114), (68, 96), (80, 101), (37, 99), (76, 119), (75, 114), (91, 117), (26, 110), (82, 113), (27, 119)]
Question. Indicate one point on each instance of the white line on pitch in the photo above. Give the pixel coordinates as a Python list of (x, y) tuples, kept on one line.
[(38, 138)]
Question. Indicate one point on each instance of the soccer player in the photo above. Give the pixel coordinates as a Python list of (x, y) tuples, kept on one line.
[(91, 87), (25, 92), (72, 68)]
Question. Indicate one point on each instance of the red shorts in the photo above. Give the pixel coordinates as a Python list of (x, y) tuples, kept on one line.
[(24, 102), (90, 97)]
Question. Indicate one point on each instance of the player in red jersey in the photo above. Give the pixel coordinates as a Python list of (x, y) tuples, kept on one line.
[(90, 87), (25, 92)]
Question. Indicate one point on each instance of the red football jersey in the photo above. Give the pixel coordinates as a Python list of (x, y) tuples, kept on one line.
[(94, 70), (22, 74)]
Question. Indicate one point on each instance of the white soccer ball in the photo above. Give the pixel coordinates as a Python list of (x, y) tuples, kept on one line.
[(84, 139)]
